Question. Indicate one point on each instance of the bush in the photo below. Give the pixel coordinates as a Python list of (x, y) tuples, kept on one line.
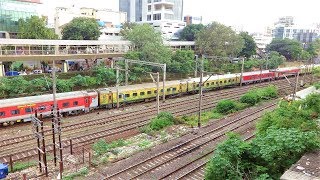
[(163, 120), (255, 96), (226, 106), (100, 147)]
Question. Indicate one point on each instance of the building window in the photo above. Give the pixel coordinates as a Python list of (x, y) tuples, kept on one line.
[(2, 113), (149, 8), (149, 18), (149, 1), (14, 112), (157, 17)]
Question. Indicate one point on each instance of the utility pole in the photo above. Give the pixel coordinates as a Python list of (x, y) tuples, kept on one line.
[(242, 67), (126, 71), (158, 98), (117, 86), (163, 83), (196, 67), (295, 86), (200, 93), (54, 88)]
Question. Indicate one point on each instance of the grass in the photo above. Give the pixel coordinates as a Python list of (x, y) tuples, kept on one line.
[(82, 172), (192, 120), (19, 166)]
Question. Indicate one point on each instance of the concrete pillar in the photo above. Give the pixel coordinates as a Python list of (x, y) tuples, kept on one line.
[(2, 72), (65, 66)]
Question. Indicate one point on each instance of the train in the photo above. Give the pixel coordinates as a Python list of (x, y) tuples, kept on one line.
[(22, 109)]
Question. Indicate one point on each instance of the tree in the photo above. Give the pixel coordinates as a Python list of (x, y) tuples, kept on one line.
[(290, 49), (182, 62), (35, 28), (149, 43), (314, 48), (219, 40), (249, 45), (274, 60), (190, 31), (126, 28), (81, 28)]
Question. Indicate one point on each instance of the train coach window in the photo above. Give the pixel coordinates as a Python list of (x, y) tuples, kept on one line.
[(225, 81), (212, 83), (174, 89), (120, 96), (75, 103), (229, 80), (142, 93), (14, 112), (161, 90), (134, 94), (28, 110), (220, 82), (169, 89), (2, 113), (155, 91), (148, 92), (65, 104), (127, 95), (41, 108)]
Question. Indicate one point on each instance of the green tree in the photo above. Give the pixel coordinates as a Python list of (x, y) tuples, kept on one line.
[(314, 48), (35, 28), (219, 40), (190, 31), (182, 62), (290, 49), (249, 48), (149, 43), (126, 28), (81, 28), (274, 60)]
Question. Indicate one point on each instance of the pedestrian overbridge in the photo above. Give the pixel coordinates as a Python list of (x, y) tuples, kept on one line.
[(48, 50)]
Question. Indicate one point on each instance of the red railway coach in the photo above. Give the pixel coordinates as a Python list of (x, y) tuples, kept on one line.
[(287, 71), (21, 109), (255, 76)]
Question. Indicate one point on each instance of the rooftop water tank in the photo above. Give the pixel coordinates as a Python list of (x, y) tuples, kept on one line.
[(3, 171)]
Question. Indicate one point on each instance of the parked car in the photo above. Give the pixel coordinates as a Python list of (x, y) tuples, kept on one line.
[(12, 73)]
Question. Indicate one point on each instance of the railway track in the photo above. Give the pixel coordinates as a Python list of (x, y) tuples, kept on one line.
[(163, 164), (128, 122)]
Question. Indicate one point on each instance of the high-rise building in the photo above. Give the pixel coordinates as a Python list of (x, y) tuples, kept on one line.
[(164, 15), (13, 10)]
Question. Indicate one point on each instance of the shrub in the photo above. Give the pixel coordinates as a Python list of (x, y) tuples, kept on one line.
[(82, 172), (226, 106), (100, 147), (163, 120), (250, 98)]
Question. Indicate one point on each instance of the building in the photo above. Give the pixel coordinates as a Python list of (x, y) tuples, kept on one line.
[(286, 28), (110, 21), (261, 40), (164, 15), (13, 10), (192, 20)]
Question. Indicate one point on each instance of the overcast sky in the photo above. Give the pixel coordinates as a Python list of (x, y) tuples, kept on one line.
[(251, 15)]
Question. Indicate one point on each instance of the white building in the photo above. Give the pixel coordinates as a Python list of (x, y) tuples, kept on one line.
[(164, 15), (262, 40), (109, 21)]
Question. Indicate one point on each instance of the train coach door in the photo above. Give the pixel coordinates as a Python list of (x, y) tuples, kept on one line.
[(110, 98), (86, 102)]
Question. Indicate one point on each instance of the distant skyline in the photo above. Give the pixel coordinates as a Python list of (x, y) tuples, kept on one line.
[(249, 15)]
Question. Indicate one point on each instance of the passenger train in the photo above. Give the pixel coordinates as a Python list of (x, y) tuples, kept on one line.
[(22, 109)]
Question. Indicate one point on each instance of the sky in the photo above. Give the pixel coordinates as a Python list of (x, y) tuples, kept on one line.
[(247, 15)]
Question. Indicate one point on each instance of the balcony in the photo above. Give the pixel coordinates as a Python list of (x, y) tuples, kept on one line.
[(167, 2)]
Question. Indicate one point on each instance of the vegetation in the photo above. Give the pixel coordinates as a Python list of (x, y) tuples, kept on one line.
[(226, 106), (35, 28), (81, 28), (290, 49), (219, 40), (250, 46), (19, 166), (182, 62), (314, 48), (190, 32), (283, 136), (82, 172), (192, 120), (256, 95)]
